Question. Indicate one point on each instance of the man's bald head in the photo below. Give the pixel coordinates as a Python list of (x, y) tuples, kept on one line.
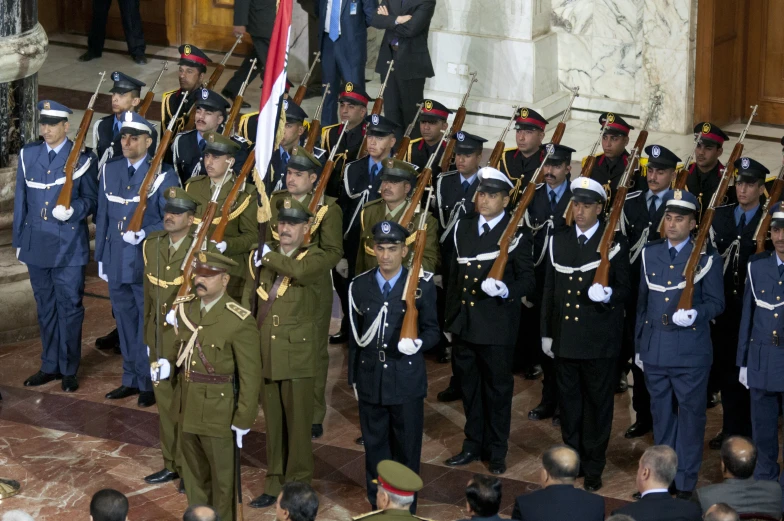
[(739, 457), (200, 513), (721, 512), (562, 463)]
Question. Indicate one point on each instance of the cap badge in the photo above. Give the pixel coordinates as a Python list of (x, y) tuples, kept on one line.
[(287, 204), (211, 138), (610, 118), (386, 228), (187, 50), (349, 87), (745, 163), (116, 76), (524, 113), (47, 106), (428, 105), (128, 117), (550, 149), (678, 195), (460, 136), (205, 94), (375, 119), (706, 128), (202, 257), (585, 182), (656, 151), (172, 191), (285, 104)]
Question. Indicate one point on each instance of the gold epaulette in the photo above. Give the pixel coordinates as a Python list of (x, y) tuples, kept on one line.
[(363, 516), (586, 159), (238, 310), (317, 220), (242, 128), (325, 135), (644, 167), (165, 109), (155, 281), (410, 153), (286, 282), (233, 215), (186, 298)]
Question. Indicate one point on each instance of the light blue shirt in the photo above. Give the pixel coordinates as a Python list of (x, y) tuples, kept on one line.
[(779, 262), (57, 148), (678, 247), (559, 191), (749, 214), (137, 164), (371, 163), (199, 138), (470, 179), (381, 280), (650, 193)]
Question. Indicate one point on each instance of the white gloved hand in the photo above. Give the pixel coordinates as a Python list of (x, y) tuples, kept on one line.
[(265, 250), (743, 377), (599, 293), (527, 303), (256, 259), (684, 317), (103, 276), (148, 351), (163, 372), (495, 288), (408, 346), (354, 387), (134, 238), (220, 246), (171, 318), (638, 362), (547, 346), (438, 280), (239, 434), (448, 336), (342, 268), (61, 213)]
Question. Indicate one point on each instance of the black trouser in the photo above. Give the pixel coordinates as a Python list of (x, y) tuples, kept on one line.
[(641, 399), (391, 432), (400, 99), (260, 49), (735, 399), (586, 388), (486, 383), (131, 22)]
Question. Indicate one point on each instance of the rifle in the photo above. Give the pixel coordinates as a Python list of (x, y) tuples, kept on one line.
[(135, 223), (402, 149), (561, 127), (321, 187), (303, 86), (681, 174), (590, 161), (764, 225), (498, 149), (457, 125), (158, 340), (315, 123), (422, 183), (687, 296), (236, 105), (409, 328), (64, 197), (378, 105), (231, 198), (238, 481), (150, 95), (499, 264)]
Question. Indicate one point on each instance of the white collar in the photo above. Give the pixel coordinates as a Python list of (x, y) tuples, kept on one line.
[(588, 234), (492, 222), (653, 491)]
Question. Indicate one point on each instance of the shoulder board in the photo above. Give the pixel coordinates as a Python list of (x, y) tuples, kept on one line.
[(246, 117), (355, 161), (362, 516), (115, 159), (426, 275), (724, 206), (328, 127), (371, 203), (447, 174), (159, 233), (643, 161), (657, 241), (238, 310), (33, 144), (169, 93), (771, 177), (186, 298), (633, 194), (195, 179), (760, 256), (184, 132), (279, 192), (417, 140)]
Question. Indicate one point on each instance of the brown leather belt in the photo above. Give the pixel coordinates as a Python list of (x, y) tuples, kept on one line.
[(266, 306), (201, 378)]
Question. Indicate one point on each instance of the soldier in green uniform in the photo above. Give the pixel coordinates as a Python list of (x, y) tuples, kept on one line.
[(242, 228), (326, 232), (288, 313), (219, 376), (397, 486), (397, 179)]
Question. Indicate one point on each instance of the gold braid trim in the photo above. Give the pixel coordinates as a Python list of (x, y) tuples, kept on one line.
[(164, 283), (317, 221), (233, 215), (264, 211), (284, 285), (252, 267), (186, 350)]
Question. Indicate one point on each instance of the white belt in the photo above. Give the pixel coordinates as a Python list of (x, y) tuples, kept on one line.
[(761, 303), (682, 284), (60, 181), (568, 270)]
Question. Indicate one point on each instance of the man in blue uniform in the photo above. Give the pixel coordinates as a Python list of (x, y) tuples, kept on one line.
[(673, 346), (391, 415), (54, 242), (119, 251)]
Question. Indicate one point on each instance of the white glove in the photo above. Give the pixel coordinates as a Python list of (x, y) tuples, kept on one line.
[(599, 293), (438, 280), (103, 276), (134, 238), (342, 268), (743, 377), (239, 434), (495, 288), (638, 362), (61, 213), (256, 259), (527, 303), (547, 346), (171, 318), (221, 246), (148, 351), (163, 372), (448, 336), (408, 346), (684, 317), (354, 386)]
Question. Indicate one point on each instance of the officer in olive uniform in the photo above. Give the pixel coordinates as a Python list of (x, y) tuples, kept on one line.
[(392, 206), (611, 163), (218, 382), (705, 173), (352, 109), (242, 229), (288, 317), (520, 163), (325, 233), (391, 416), (192, 68), (397, 487), (432, 121)]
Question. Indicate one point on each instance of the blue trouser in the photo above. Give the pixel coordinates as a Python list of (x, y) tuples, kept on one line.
[(339, 60), (58, 296), (678, 404), (128, 305), (765, 406)]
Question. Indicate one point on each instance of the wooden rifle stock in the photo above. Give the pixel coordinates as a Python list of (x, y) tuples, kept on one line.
[(216, 74), (236, 105), (681, 174), (150, 95), (423, 182), (378, 106), (457, 125), (220, 229), (498, 149), (776, 190), (303, 86), (402, 148), (315, 123), (559, 132), (321, 187), (410, 326)]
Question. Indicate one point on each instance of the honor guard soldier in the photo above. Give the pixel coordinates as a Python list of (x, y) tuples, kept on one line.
[(760, 357), (545, 218), (391, 415), (242, 229), (611, 164), (219, 373), (643, 212), (326, 232), (190, 73), (118, 251), (53, 241), (673, 345), (705, 173), (520, 163), (581, 327), (734, 228), (483, 315), (397, 487), (288, 317), (126, 97), (432, 124), (352, 109)]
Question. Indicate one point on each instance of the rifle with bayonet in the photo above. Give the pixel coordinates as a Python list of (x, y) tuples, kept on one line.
[(315, 123), (402, 148), (236, 105), (410, 326), (560, 128), (321, 187), (150, 95), (761, 235), (378, 106), (587, 170), (231, 198), (681, 174), (303, 86), (498, 149), (457, 125), (423, 182)]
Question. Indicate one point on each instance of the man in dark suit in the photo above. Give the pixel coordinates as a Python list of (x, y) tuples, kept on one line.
[(483, 498), (132, 27), (343, 44), (406, 24), (656, 470), (256, 18), (559, 500)]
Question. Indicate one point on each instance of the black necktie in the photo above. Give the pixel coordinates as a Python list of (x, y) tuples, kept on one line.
[(673, 253), (52, 155), (781, 270), (466, 185), (652, 207), (202, 145), (387, 290), (581, 240), (552, 201), (373, 171), (117, 127), (131, 171), (485, 229), (741, 224)]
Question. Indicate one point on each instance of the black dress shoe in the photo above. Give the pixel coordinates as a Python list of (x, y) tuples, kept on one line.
[(716, 441), (683, 494), (497, 467), (162, 476), (112, 340), (623, 384), (637, 430), (637, 496), (541, 412), (140, 59), (146, 398), (41, 378), (360, 441), (713, 400), (533, 373), (464, 458), (338, 338), (444, 359), (592, 484), (316, 431), (121, 392), (263, 501), (450, 394), (671, 490), (181, 486), (69, 383), (88, 56)]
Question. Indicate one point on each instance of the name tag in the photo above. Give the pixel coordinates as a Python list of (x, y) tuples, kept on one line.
[(353, 8)]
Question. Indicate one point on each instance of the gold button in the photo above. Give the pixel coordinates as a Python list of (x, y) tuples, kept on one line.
[(462, 301), (200, 327), (479, 266), (473, 292), (48, 171), (212, 345), (193, 363), (576, 319), (125, 218), (45, 219), (47, 203), (580, 279), (472, 304), (567, 304), (168, 267), (774, 332), (222, 394), (466, 276), (666, 299), (303, 339), (653, 274), (47, 188), (468, 264), (476, 280), (763, 291), (775, 315), (577, 306), (570, 277), (778, 298), (127, 187), (568, 292), (566, 318), (578, 293), (273, 337), (668, 282), (672, 267), (465, 289)]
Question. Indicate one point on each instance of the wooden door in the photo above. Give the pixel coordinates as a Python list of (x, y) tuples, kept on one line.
[(80, 15), (208, 24), (765, 76)]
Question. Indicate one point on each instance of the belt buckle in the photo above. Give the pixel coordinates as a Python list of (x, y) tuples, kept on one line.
[(665, 320), (382, 356), (275, 320)]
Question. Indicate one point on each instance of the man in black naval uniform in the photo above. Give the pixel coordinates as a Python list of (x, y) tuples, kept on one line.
[(520, 163), (581, 327), (391, 415), (483, 315), (734, 227), (432, 123), (705, 173), (545, 217), (190, 73), (455, 192), (611, 163), (643, 212)]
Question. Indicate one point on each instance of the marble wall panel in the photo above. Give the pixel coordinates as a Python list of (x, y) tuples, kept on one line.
[(614, 68)]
